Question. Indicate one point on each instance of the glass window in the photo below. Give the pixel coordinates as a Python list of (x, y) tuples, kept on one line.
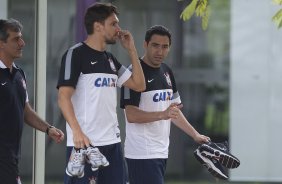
[(200, 61), (61, 35)]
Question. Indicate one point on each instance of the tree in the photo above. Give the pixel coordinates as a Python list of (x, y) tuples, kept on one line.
[(277, 18), (201, 9)]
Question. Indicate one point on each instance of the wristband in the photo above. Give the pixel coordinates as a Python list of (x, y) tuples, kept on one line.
[(48, 128)]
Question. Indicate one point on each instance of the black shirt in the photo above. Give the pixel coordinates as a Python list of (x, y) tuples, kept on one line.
[(13, 97)]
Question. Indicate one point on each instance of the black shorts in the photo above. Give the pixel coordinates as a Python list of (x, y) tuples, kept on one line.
[(9, 172), (146, 171), (115, 173)]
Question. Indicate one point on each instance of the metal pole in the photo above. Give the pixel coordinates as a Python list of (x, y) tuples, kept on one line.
[(3, 9), (40, 90)]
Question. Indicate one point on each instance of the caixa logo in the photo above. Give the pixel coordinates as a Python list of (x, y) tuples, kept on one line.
[(105, 82), (162, 96)]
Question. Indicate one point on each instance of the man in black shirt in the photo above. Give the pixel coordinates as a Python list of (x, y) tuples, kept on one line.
[(14, 106)]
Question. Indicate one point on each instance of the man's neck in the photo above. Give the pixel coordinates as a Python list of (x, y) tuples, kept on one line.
[(95, 42), (145, 59), (7, 62)]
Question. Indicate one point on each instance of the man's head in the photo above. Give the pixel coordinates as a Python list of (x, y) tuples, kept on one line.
[(157, 30), (11, 41), (102, 18), (10, 25), (157, 44)]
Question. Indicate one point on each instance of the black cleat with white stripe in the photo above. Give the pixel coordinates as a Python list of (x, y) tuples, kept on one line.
[(213, 166), (220, 152)]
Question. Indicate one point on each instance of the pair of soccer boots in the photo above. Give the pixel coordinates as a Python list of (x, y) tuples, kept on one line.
[(215, 155), (78, 157)]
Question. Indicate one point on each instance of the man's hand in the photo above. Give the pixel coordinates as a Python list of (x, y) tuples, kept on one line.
[(56, 134), (126, 39), (201, 139), (80, 140), (171, 112)]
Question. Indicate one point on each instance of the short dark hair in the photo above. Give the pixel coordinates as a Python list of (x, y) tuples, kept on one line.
[(9, 25), (159, 30), (98, 12)]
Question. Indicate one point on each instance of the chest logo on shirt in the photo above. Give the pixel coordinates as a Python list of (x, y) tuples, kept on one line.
[(93, 62), (112, 65), (105, 82), (4, 83), (162, 96), (167, 79), (92, 180)]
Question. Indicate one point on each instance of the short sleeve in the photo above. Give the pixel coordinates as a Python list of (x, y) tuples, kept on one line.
[(176, 96), (122, 72), (129, 97), (69, 70)]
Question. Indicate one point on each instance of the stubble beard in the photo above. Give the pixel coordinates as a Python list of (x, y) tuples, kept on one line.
[(111, 42)]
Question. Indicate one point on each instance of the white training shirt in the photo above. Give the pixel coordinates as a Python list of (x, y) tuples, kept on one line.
[(150, 140), (95, 76)]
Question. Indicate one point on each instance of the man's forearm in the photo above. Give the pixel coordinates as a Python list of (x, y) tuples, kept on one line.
[(137, 71), (182, 123), (32, 119), (135, 115)]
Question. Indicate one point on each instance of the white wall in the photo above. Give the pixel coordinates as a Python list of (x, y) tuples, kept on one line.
[(256, 91), (3, 9)]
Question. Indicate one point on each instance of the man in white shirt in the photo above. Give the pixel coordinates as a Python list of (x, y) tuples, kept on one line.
[(87, 84), (149, 113)]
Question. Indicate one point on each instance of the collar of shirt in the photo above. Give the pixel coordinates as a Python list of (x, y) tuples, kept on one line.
[(4, 66)]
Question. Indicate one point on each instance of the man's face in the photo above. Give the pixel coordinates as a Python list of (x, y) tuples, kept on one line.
[(12, 48), (111, 29), (156, 49)]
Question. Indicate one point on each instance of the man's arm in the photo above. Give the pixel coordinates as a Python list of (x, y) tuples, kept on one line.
[(135, 115), (32, 119), (66, 106), (181, 122), (137, 80)]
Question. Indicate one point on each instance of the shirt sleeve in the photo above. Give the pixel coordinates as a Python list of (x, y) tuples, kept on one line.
[(122, 72), (176, 96), (129, 97), (123, 75), (69, 70), (25, 83)]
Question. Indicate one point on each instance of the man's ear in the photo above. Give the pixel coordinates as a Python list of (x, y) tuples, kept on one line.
[(97, 26), (145, 44), (1, 44)]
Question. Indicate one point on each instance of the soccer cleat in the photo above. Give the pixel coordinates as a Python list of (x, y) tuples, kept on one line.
[(213, 166), (76, 163), (220, 152), (95, 158)]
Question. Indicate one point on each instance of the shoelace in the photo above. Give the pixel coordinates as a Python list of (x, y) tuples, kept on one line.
[(95, 154), (77, 159)]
